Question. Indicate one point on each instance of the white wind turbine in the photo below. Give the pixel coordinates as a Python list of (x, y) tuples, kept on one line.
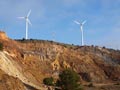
[(27, 23), (81, 28)]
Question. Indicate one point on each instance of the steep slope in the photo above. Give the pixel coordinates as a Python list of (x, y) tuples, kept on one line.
[(10, 63), (12, 68), (92, 63), (10, 83), (30, 61)]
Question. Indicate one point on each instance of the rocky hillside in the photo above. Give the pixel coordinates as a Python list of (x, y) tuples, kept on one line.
[(28, 62)]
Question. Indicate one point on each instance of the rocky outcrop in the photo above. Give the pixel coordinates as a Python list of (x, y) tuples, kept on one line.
[(3, 35), (56, 64), (90, 62)]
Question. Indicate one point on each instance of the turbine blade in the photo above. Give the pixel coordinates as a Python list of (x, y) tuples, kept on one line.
[(21, 17), (76, 22), (83, 22), (29, 13), (29, 22)]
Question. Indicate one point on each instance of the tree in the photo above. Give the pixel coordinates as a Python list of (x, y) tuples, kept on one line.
[(48, 81), (1, 47), (68, 80)]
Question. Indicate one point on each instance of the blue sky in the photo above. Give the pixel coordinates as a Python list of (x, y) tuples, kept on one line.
[(102, 27)]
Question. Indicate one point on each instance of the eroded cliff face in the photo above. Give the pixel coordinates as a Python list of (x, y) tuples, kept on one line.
[(94, 64), (31, 61), (10, 83)]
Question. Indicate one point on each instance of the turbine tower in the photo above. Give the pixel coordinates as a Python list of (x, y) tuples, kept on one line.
[(27, 23), (82, 32)]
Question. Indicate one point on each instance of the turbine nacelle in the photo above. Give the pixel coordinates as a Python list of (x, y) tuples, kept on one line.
[(80, 23), (26, 17)]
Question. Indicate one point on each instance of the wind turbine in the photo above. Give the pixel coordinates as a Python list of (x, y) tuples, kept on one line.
[(81, 28), (27, 23)]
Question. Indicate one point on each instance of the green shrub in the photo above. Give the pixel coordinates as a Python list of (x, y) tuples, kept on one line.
[(48, 81), (90, 85), (1, 47), (69, 80)]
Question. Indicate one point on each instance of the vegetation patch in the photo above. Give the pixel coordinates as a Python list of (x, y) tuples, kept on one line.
[(69, 80), (48, 81)]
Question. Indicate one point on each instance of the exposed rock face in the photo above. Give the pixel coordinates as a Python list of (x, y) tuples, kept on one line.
[(31, 61), (9, 66), (94, 64), (55, 64), (10, 83), (3, 35)]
